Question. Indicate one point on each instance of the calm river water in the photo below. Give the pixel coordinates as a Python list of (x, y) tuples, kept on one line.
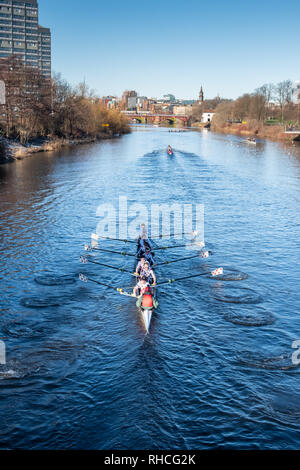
[(216, 370)]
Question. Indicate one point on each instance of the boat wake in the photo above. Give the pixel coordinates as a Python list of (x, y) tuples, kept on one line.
[(237, 295), (55, 280), (42, 302), (258, 360), (15, 370), (26, 328), (283, 406), (253, 316)]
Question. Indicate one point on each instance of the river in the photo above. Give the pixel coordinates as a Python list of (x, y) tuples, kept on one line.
[(216, 370)]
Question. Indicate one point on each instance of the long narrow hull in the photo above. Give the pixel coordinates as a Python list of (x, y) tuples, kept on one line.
[(147, 316), (146, 313)]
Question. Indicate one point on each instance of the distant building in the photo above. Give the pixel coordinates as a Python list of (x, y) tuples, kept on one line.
[(169, 98), (152, 105), (131, 103), (129, 100), (20, 34), (142, 103), (188, 102), (207, 116), (109, 102), (182, 110)]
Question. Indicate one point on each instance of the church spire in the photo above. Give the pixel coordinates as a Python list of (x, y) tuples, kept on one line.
[(201, 95)]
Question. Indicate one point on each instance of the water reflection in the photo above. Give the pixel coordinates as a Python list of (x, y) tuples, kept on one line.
[(212, 370)]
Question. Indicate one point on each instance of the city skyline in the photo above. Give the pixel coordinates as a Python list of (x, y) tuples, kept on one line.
[(229, 48)]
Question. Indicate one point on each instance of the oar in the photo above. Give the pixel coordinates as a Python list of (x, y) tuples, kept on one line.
[(84, 260), (204, 254), (84, 278), (96, 237), (157, 248), (91, 248), (202, 244), (215, 273), (195, 233)]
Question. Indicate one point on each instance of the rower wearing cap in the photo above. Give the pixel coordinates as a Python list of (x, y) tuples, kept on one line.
[(148, 274)]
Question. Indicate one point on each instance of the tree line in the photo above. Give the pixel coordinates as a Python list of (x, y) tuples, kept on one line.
[(270, 103), (36, 106)]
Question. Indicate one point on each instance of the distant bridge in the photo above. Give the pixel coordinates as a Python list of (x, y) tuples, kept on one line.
[(147, 118)]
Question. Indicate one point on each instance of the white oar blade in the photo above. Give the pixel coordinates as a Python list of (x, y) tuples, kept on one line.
[(217, 272), (87, 247), (83, 260), (95, 237), (83, 278), (204, 254)]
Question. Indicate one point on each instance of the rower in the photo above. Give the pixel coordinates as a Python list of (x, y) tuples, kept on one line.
[(141, 287), (148, 274), (144, 243), (149, 257), (145, 251), (140, 266), (143, 232), (143, 235), (147, 254)]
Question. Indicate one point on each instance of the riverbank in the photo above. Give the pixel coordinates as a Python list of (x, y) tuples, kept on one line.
[(11, 150), (275, 133)]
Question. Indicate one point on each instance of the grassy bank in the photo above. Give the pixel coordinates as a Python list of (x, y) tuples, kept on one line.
[(274, 132)]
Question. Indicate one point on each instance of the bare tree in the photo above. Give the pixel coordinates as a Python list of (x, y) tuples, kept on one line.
[(258, 107), (37, 106), (284, 93), (28, 99), (267, 91), (224, 114), (241, 107)]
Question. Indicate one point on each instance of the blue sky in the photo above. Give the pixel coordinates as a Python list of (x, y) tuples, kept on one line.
[(171, 46)]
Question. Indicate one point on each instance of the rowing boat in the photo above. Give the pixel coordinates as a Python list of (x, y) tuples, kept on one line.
[(170, 150), (146, 311), (251, 140)]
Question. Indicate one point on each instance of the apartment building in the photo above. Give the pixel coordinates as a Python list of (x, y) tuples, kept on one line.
[(21, 34)]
